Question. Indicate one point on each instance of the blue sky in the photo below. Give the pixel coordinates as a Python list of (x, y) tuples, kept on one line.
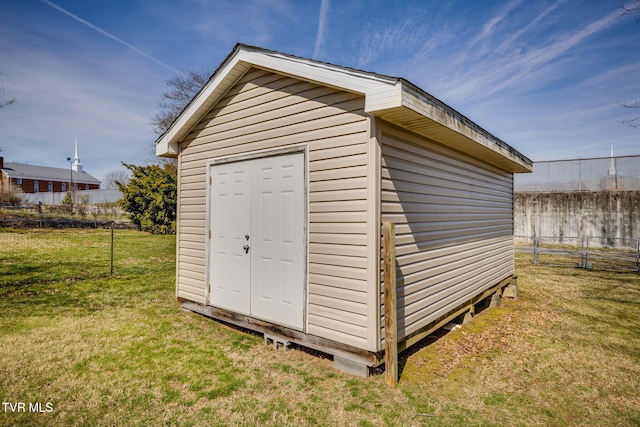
[(545, 76)]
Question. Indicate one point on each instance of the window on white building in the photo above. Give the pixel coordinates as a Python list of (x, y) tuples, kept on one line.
[(36, 186), (50, 187)]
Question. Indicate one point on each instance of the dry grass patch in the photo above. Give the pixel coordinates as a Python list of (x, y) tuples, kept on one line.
[(119, 351), (566, 353)]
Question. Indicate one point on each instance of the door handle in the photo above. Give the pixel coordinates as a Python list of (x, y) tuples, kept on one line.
[(246, 249)]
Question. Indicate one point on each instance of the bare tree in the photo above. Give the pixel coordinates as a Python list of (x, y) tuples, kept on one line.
[(112, 178), (181, 91), (635, 121), (4, 102), (631, 7), (628, 9)]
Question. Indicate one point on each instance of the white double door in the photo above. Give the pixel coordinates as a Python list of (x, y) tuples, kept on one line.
[(257, 254)]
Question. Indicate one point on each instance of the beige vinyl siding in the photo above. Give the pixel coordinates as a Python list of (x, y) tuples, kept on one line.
[(264, 110), (454, 225)]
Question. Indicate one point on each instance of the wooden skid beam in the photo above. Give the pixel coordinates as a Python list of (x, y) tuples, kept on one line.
[(323, 345), (443, 320), (344, 352)]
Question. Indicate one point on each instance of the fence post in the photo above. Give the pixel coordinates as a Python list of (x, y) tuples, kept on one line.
[(390, 313), (112, 245), (535, 249), (638, 256)]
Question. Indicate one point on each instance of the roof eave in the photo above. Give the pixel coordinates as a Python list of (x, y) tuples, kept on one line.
[(168, 143), (244, 57), (391, 98), (421, 113)]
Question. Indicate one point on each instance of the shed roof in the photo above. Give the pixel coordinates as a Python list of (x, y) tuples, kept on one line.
[(394, 99), (19, 170)]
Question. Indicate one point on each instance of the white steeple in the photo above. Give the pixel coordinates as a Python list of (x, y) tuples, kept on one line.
[(612, 164), (76, 165)]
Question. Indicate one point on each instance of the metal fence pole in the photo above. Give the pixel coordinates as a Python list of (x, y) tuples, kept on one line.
[(638, 256), (579, 175), (535, 249), (112, 245)]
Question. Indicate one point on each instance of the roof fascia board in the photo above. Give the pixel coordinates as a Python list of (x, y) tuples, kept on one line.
[(380, 91), (342, 78), (168, 143), (431, 108)]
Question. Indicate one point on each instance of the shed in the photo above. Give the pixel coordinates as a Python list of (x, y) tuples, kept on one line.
[(287, 168)]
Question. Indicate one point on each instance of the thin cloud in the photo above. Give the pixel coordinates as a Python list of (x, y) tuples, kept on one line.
[(111, 36), (487, 30), (323, 19), (494, 75), (507, 42), (548, 53), (613, 76), (383, 41)]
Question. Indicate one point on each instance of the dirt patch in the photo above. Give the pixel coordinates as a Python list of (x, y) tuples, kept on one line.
[(491, 331)]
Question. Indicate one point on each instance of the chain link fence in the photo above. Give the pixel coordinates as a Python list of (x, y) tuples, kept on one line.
[(70, 252), (589, 252), (595, 174)]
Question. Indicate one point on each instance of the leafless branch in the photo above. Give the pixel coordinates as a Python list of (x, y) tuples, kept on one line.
[(181, 91), (632, 7), (3, 101), (634, 104), (629, 8), (634, 123), (112, 178)]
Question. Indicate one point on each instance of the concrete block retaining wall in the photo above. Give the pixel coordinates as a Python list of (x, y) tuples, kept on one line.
[(611, 214)]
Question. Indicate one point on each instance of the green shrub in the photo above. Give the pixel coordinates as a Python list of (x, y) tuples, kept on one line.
[(150, 198)]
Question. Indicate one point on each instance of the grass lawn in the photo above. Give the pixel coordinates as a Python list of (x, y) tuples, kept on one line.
[(94, 349)]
